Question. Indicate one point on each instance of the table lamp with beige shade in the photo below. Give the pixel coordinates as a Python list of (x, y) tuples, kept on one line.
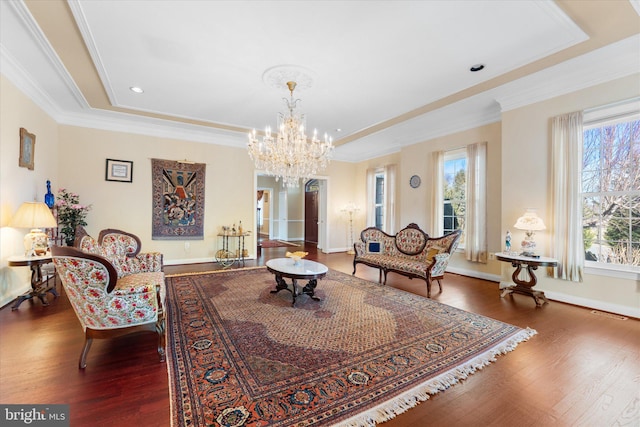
[(35, 216)]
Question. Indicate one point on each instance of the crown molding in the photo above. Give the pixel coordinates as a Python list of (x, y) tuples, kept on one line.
[(141, 125), (600, 66)]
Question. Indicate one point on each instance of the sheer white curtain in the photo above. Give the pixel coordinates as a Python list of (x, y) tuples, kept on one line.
[(437, 196), (390, 199), (371, 197), (566, 169), (476, 227)]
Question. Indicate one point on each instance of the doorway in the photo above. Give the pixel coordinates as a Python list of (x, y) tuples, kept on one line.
[(311, 206)]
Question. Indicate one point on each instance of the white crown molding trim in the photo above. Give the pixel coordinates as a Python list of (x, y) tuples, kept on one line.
[(25, 17), (122, 122), (20, 78), (600, 66), (89, 42), (636, 5)]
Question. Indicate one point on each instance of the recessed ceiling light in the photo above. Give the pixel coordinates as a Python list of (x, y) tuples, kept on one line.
[(136, 89), (338, 130), (476, 67)]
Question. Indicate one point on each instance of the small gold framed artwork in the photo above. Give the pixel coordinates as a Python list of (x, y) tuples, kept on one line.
[(27, 149)]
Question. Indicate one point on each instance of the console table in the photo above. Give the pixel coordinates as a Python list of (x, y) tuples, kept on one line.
[(525, 287), (39, 287)]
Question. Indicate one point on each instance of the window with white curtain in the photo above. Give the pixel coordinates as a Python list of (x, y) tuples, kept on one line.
[(381, 198), (454, 189), (611, 187), (379, 201)]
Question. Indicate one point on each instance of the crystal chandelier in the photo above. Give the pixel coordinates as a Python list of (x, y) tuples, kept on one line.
[(289, 155)]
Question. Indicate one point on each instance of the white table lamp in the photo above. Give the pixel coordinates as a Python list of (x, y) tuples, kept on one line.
[(530, 222)]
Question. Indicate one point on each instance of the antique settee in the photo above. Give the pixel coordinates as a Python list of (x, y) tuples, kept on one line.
[(410, 252), (113, 288)]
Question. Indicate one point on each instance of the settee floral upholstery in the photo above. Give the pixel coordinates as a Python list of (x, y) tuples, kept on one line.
[(411, 252), (112, 287)]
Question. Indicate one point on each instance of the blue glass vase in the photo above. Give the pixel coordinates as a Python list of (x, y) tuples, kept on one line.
[(49, 198)]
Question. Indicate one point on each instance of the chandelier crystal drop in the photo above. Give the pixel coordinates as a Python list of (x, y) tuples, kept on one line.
[(289, 155)]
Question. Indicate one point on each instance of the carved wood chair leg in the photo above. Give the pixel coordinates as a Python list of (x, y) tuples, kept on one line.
[(85, 350), (385, 277), (440, 284), (160, 329), (428, 288)]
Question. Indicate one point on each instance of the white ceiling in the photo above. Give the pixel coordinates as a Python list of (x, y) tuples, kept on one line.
[(386, 73)]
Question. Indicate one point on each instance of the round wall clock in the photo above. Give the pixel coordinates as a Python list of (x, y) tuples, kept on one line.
[(414, 181)]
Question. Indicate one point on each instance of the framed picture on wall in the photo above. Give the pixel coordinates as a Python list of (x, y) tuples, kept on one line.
[(119, 170), (27, 147)]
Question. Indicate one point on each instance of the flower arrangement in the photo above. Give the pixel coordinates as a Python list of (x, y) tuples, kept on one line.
[(70, 214)]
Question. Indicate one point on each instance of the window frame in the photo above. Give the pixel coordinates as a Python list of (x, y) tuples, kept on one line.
[(625, 111), (450, 156)]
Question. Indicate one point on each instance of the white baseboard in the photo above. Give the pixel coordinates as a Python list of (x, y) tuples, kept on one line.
[(598, 305), (476, 274)]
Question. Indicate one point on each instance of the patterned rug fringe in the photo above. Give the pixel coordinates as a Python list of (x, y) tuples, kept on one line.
[(197, 273), (410, 399)]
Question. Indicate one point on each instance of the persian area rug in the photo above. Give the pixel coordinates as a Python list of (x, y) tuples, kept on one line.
[(276, 244), (239, 355)]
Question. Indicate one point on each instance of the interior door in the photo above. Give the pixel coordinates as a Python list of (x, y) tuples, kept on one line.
[(311, 215)]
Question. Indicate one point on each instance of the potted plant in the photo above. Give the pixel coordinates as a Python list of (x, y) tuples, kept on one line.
[(70, 214)]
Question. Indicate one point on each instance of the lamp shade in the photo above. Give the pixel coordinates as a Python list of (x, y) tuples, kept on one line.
[(33, 215), (530, 221)]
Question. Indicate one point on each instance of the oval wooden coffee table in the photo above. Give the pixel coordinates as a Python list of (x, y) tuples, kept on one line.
[(303, 269)]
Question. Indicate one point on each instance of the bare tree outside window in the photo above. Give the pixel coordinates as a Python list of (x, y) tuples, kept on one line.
[(611, 192), (454, 192)]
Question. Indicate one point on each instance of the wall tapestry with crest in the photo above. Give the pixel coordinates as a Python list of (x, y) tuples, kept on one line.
[(178, 200)]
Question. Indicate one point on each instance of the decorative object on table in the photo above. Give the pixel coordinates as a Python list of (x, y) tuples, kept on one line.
[(35, 216), (288, 155), (119, 170), (350, 208), (415, 181), (49, 198), (27, 149), (530, 222), (70, 214), (240, 229), (507, 242), (177, 200), (296, 256), (365, 353)]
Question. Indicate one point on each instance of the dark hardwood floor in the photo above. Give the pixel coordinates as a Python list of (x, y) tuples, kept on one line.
[(582, 369)]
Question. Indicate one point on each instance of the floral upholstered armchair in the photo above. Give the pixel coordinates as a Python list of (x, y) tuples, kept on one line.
[(113, 288)]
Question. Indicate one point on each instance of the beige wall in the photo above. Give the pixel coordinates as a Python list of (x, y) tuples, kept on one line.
[(74, 158), (415, 203), (18, 185), (526, 136)]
